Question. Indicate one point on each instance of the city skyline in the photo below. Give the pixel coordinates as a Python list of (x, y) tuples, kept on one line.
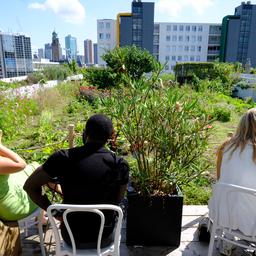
[(79, 18)]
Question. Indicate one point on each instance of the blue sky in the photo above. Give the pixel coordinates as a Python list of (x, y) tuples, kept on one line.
[(38, 18)]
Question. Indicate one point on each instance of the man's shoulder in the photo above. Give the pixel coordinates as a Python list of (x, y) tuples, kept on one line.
[(114, 160), (62, 153), (74, 150)]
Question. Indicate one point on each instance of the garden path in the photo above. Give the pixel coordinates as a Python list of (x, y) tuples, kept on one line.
[(190, 246)]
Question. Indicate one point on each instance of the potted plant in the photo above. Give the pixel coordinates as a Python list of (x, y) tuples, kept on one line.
[(167, 135)]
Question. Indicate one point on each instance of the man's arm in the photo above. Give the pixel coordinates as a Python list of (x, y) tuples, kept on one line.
[(121, 194), (33, 186)]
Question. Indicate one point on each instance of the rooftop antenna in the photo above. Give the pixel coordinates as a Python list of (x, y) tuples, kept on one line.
[(19, 25)]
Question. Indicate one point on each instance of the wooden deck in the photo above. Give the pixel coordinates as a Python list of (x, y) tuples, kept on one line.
[(190, 246)]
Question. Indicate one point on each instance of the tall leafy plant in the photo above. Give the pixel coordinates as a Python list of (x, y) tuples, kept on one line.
[(167, 134), (130, 60)]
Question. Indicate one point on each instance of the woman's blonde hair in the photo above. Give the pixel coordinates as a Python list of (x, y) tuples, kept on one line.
[(245, 132)]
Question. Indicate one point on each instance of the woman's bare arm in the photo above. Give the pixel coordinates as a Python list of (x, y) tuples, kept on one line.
[(10, 162)]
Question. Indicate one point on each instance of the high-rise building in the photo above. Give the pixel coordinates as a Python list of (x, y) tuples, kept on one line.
[(106, 37), (40, 53), (15, 55), (62, 56), (88, 52), (136, 28), (239, 35), (48, 51), (56, 49), (185, 42), (71, 47), (80, 60), (95, 53)]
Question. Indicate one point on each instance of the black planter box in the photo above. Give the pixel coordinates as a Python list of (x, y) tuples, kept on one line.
[(154, 221)]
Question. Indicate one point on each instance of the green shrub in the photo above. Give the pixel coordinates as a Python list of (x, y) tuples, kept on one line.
[(195, 194), (73, 106), (72, 67), (4, 85), (34, 78), (186, 71), (224, 74), (100, 77), (130, 60), (249, 101), (214, 85), (167, 134), (15, 113), (221, 114), (58, 72)]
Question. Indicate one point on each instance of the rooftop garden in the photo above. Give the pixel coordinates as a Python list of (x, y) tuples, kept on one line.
[(163, 128)]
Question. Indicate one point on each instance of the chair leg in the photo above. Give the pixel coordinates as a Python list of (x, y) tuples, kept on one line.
[(210, 250), (41, 234), (26, 229)]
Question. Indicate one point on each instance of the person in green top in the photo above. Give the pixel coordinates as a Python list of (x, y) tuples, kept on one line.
[(15, 204)]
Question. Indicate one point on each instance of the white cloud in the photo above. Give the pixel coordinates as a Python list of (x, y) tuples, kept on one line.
[(174, 7), (37, 6), (72, 11)]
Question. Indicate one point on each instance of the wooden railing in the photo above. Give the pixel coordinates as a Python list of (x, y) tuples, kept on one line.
[(70, 138)]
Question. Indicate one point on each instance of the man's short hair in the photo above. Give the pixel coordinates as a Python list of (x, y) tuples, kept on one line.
[(98, 128)]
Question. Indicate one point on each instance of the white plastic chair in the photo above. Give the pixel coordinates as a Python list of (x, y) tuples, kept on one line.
[(218, 231), (63, 249), (34, 219)]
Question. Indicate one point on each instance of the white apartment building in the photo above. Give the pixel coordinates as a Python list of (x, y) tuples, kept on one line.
[(106, 37), (185, 42)]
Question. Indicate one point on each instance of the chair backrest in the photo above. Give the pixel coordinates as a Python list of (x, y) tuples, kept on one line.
[(96, 209), (230, 193), (33, 219)]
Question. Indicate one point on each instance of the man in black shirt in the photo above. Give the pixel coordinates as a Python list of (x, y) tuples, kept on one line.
[(90, 174)]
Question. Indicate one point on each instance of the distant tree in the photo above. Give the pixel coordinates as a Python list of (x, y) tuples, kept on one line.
[(130, 60), (72, 66), (56, 72)]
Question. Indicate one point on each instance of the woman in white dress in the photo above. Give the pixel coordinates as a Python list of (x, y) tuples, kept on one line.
[(236, 164)]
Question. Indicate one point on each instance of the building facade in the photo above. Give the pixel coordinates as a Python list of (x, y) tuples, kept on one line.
[(71, 47), (88, 52), (40, 53), (239, 35), (15, 55), (214, 42), (95, 53), (185, 42), (106, 37), (80, 60), (137, 27), (56, 49), (48, 51)]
